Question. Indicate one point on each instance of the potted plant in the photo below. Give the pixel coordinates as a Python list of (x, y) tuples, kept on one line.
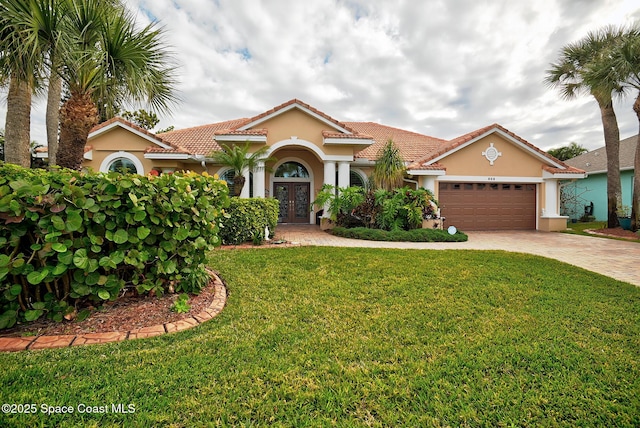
[(624, 216)]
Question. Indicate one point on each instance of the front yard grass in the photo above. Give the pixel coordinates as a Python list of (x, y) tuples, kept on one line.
[(315, 336), (580, 228)]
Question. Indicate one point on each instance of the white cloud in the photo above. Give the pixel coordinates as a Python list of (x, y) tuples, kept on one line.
[(440, 68)]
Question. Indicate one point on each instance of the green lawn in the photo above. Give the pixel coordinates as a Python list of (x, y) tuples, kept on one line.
[(365, 337), (580, 227)]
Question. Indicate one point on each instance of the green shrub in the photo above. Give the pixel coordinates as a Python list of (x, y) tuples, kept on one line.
[(414, 235), (341, 201), (397, 209), (246, 219), (68, 238), (403, 209)]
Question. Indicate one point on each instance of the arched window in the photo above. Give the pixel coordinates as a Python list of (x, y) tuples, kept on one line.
[(356, 179), (228, 177), (292, 170), (122, 162), (123, 165)]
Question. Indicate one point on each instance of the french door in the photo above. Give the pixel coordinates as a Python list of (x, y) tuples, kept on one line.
[(294, 202)]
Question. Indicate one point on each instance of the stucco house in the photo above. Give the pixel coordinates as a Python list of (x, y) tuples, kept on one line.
[(593, 189), (486, 179)]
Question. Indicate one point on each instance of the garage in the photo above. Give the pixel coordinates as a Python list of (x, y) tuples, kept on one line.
[(488, 206)]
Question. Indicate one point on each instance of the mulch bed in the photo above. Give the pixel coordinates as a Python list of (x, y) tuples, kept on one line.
[(127, 313)]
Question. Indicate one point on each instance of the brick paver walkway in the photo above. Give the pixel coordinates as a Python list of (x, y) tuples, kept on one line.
[(613, 258)]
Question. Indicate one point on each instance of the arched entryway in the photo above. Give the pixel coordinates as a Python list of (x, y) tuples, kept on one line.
[(292, 183)]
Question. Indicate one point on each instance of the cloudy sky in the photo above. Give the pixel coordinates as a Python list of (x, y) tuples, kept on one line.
[(437, 67)]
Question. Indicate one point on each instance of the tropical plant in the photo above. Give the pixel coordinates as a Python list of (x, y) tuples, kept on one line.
[(404, 208), (241, 161), (340, 201), (622, 65), (108, 60), (21, 68), (388, 171), (398, 209), (94, 48), (567, 152), (573, 74), (44, 26)]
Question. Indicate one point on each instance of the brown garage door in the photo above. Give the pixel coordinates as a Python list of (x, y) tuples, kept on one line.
[(488, 206)]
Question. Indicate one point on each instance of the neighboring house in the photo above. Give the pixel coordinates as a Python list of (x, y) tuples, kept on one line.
[(593, 189), (487, 179)]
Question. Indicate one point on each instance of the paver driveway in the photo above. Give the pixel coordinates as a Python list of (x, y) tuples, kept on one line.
[(617, 259)]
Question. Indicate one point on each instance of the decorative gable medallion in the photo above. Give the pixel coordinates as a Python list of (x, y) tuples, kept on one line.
[(492, 154)]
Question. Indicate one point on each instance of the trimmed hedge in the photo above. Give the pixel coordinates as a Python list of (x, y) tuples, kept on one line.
[(69, 239), (246, 219), (414, 235)]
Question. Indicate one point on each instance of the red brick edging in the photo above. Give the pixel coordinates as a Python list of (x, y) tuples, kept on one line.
[(13, 344)]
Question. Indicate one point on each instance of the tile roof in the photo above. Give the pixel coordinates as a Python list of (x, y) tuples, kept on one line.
[(410, 144), (241, 132), (567, 170), (342, 135), (199, 140), (596, 160), (416, 149)]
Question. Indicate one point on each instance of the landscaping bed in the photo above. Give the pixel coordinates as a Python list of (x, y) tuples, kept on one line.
[(414, 235), (124, 314)]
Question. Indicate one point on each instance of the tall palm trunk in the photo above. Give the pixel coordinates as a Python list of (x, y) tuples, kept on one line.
[(238, 184), (635, 199), (18, 123), (77, 116), (53, 116), (612, 147)]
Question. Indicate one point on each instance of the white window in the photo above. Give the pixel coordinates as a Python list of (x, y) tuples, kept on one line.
[(122, 162)]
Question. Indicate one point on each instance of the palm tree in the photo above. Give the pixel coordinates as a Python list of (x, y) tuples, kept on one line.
[(240, 160), (42, 23), (572, 75), (388, 171), (46, 22), (623, 65), (106, 60), (20, 67)]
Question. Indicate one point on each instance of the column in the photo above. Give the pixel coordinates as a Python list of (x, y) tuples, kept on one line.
[(329, 178), (343, 175), (330, 173), (259, 180), (428, 182), (247, 182), (551, 198)]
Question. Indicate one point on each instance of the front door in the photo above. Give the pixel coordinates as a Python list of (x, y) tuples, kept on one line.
[(294, 202)]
